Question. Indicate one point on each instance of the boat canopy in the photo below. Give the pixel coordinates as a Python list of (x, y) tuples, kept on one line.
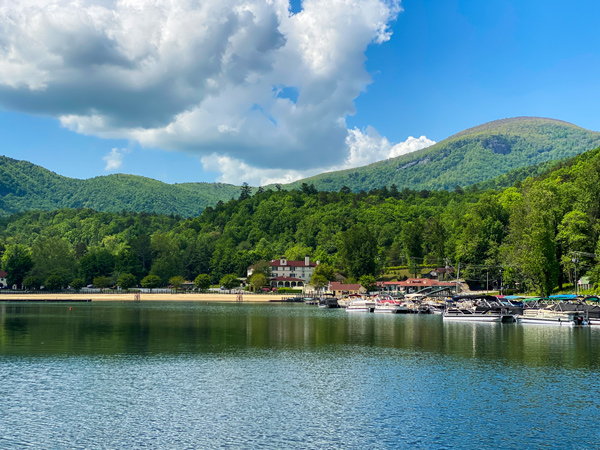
[(564, 296)]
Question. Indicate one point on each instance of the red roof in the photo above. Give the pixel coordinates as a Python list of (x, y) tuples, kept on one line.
[(286, 279), (335, 286), (3, 274), (277, 263), (424, 282)]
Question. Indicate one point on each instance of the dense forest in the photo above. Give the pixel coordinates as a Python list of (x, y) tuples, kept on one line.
[(529, 231)]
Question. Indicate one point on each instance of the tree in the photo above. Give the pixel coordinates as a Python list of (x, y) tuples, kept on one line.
[(54, 283), (33, 282), (412, 240), (319, 281), (16, 262), (531, 243), (151, 282), (126, 281), (52, 256), (368, 282), (176, 282), (358, 251), (230, 281), (298, 252), (258, 280), (245, 191), (262, 267), (202, 281), (325, 270), (101, 282), (77, 284)]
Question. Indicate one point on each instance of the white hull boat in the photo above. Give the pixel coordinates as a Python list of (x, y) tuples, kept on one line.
[(361, 305), (388, 308), (467, 315), (385, 304), (556, 318)]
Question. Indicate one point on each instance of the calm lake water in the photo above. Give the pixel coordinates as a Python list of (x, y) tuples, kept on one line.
[(192, 375)]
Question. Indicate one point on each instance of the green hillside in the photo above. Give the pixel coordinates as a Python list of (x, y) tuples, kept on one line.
[(25, 186), (493, 155), (471, 156), (524, 237)]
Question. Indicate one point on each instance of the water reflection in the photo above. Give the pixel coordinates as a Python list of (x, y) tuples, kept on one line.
[(167, 328)]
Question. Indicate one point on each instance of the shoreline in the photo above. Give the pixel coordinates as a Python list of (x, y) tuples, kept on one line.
[(222, 298)]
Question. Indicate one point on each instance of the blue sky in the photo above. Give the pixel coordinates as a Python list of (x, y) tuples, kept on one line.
[(446, 66)]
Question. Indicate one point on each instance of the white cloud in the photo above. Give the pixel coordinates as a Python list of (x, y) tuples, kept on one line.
[(114, 159), (201, 76), (364, 148), (368, 146)]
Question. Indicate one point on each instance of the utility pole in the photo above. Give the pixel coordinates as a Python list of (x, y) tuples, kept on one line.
[(501, 283), (575, 281), (457, 277)]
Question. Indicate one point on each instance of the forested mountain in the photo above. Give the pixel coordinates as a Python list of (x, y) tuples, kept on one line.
[(496, 155), (471, 156), (25, 186), (528, 232)]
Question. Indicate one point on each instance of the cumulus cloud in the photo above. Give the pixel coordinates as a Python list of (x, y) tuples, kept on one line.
[(245, 80), (364, 147), (114, 159)]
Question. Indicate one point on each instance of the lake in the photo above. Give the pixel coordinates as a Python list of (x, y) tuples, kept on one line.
[(274, 376)]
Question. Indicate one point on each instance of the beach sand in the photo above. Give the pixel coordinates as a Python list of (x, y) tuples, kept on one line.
[(247, 298)]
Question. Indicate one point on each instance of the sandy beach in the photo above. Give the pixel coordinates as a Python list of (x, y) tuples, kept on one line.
[(144, 297)]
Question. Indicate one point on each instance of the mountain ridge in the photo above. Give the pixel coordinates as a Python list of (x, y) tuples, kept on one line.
[(492, 154), (465, 158)]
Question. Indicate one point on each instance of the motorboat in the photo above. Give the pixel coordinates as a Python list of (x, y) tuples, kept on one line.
[(386, 304), (361, 304), (328, 302)]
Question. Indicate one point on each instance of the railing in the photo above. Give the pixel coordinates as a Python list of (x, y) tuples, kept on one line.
[(133, 291)]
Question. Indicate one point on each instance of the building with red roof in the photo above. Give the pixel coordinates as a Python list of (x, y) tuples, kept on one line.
[(339, 289), (292, 274), (413, 285)]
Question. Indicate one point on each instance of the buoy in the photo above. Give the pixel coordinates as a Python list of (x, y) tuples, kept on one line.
[(71, 308)]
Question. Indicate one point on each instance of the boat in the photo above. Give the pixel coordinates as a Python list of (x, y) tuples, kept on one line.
[(361, 304), (344, 301), (328, 302), (388, 305), (311, 300), (552, 316), (470, 315)]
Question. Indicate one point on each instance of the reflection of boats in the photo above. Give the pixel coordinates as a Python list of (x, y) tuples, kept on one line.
[(386, 304), (360, 304)]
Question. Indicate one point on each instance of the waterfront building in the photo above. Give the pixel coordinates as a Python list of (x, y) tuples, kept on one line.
[(292, 274)]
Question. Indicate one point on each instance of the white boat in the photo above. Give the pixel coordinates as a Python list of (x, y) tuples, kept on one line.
[(548, 316), (385, 304), (360, 304), (344, 301), (469, 315)]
